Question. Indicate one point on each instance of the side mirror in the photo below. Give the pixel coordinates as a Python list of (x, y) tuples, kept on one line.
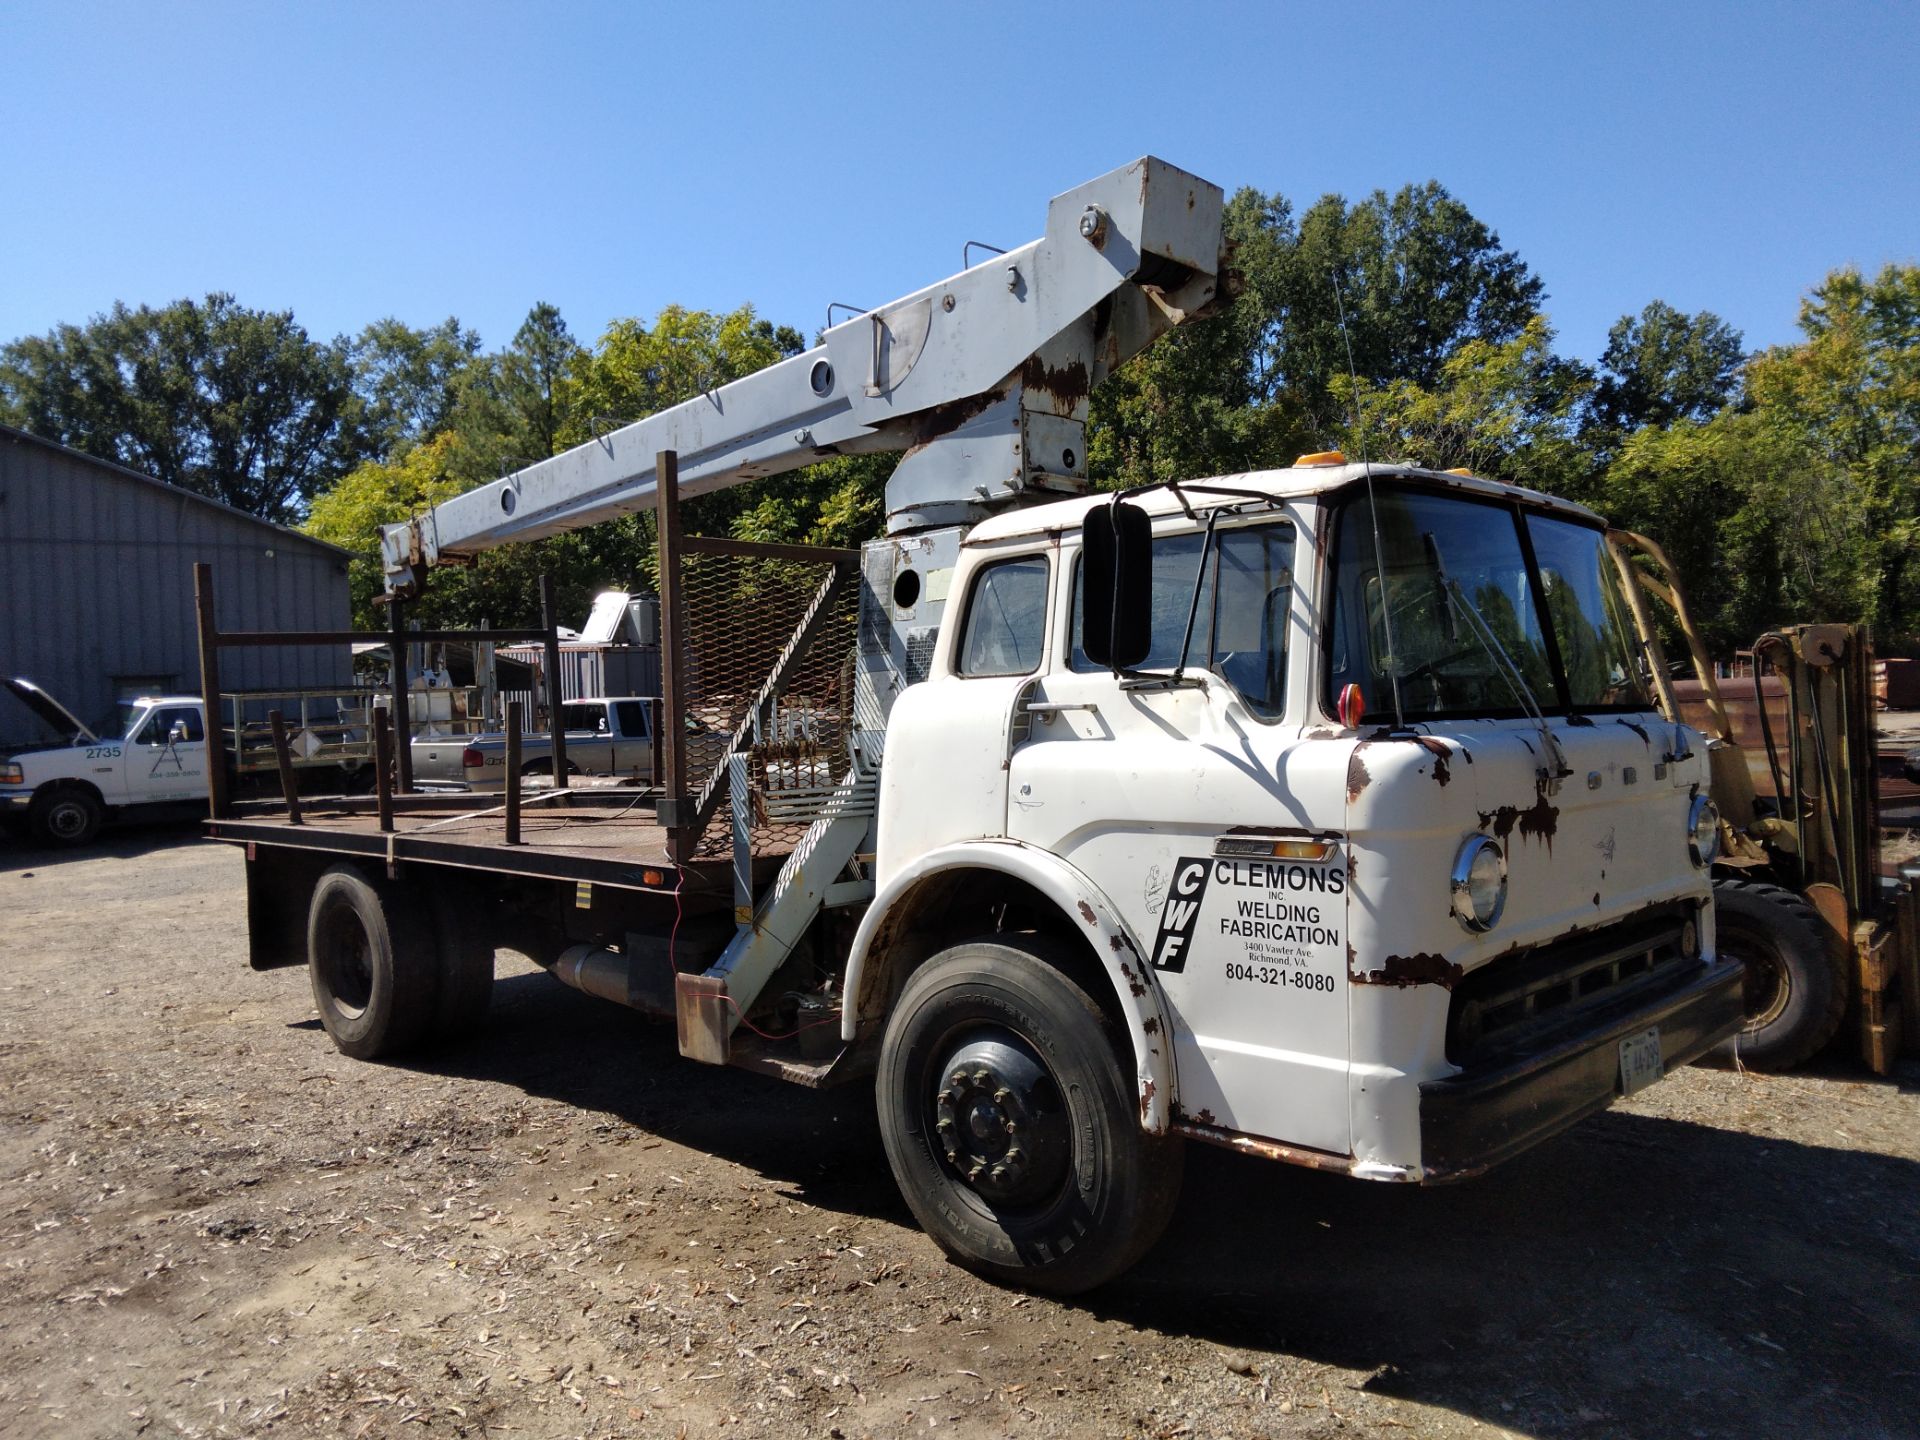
[(1116, 614), (178, 733)]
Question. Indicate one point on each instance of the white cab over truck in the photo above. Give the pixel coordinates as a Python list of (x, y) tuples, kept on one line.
[(1321, 813), (146, 754)]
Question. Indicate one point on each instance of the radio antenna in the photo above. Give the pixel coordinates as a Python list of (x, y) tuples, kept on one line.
[(1373, 513)]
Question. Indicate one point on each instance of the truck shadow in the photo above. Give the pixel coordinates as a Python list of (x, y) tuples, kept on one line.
[(1637, 1276), (121, 841), (556, 1043)]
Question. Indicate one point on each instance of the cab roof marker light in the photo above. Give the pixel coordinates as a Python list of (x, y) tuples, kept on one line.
[(1321, 457)]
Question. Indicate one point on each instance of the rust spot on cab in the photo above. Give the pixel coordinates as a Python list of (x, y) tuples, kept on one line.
[(1538, 821), (1357, 777), (1401, 971), (1442, 770)]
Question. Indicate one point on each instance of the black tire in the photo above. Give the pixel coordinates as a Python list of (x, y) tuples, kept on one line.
[(1089, 1191), (545, 767), (463, 945), (1796, 973), (372, 964), (65, 817)]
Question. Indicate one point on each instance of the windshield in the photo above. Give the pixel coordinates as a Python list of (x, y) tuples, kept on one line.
[(1483, 610), (117, 722)]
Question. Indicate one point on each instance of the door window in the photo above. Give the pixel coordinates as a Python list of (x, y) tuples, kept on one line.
[(633, 719), (1006, 624), (1239, 614), (160, 725)]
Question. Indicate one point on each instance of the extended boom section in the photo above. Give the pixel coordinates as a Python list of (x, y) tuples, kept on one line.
[(982, 379)]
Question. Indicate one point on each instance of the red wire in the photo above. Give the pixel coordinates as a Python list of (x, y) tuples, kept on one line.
[(673, 941)]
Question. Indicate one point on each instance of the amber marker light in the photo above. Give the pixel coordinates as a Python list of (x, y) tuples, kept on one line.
[(1268, 847), (1353, 704)]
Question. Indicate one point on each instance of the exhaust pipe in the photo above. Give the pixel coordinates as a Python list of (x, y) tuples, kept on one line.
[(646, 986)]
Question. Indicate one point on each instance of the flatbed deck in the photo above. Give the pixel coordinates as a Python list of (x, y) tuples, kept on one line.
[(601, 834)]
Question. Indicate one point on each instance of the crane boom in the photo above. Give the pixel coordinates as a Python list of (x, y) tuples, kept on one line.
[(982, 379)]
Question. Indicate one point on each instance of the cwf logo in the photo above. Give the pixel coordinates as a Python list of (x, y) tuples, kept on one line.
[(1179, 915)]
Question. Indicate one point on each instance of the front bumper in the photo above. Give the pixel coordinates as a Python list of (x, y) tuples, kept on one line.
[(13, 800), (1481, 1116)]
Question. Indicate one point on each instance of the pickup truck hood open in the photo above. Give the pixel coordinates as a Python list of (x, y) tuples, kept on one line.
[(56, 715)]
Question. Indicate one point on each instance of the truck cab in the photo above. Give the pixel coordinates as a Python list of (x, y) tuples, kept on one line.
[(147, 751), (1393, 863)]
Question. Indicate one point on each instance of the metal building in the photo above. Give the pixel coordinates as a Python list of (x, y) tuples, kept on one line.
[(96, 585)]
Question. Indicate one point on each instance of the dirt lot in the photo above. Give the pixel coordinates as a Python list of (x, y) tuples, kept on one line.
[(212, 1224)]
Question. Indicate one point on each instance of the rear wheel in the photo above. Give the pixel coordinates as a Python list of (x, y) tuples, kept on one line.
[(65, 817), (1796, 981), (372, 963), (1011, 1125)]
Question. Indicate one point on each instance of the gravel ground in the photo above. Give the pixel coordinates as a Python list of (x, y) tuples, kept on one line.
[(212, 1224)]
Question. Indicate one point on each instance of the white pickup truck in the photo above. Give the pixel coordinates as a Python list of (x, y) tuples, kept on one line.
[(612, 736), (146, 753)]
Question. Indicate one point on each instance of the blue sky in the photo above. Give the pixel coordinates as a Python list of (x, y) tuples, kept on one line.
[(351, 160)]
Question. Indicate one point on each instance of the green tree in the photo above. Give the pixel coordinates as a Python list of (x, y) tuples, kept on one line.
[(1661, 366), (1850, 394), (515, 407), (1419, 278), (408, 380), (242, 405), (1500, 409), (1720, 495), (351, 512)]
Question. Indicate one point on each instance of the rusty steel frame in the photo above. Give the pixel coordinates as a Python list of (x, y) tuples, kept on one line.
[(212, 640)]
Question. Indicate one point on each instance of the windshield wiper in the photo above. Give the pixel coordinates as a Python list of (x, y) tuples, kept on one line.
[(1516, 682)]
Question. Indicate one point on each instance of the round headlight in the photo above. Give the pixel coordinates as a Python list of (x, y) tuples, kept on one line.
[(1703, 831), (1479, 883)]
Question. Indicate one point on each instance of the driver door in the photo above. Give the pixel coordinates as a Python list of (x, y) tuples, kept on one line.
[(167, 758)]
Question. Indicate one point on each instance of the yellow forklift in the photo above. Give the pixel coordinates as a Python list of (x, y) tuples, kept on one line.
[(1800, 896)]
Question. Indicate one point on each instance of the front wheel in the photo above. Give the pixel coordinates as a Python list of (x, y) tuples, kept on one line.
[(1010, 1121), (65, 817)]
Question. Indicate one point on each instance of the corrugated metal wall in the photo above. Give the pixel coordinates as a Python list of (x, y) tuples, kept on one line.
[(96, 585)]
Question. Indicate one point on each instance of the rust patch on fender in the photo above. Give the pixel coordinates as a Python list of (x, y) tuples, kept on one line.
[(1357, 777), (1401, 971), (1321, 732), (1146, 1097), (1133, 980), (1151, 1025), (1086, 914)]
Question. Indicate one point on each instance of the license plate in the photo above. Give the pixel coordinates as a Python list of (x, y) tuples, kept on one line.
[(1640, 1061)]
